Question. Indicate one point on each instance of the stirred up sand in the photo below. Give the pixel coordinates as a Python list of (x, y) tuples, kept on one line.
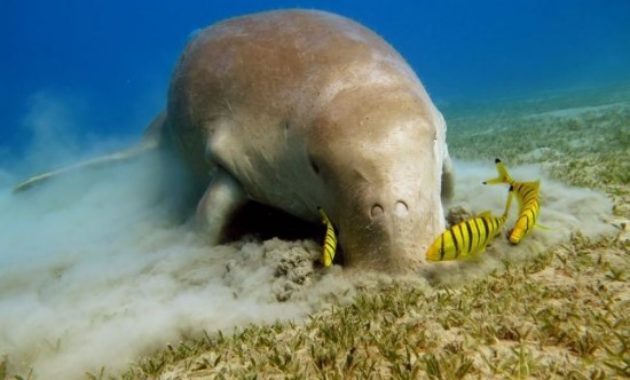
[(95, 276)]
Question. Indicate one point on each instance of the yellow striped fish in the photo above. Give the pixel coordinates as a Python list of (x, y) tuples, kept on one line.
[(528, 201), (468, 238), (330, 242)]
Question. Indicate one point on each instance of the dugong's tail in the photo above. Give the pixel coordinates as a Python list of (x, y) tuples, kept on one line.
[(150, 142)]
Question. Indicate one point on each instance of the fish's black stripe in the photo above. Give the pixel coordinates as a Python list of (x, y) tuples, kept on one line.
[(533, 192), (526, 192), (470, 235), (530, 198), (442, 247), (530, 202), (447, 233), (481, 235), (476, 232), (475, 223), (485, 226), (530, 208), (455, 241)]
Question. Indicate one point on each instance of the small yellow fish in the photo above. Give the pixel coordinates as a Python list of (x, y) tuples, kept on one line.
[(528, 201), (330, 242), (468, 238)]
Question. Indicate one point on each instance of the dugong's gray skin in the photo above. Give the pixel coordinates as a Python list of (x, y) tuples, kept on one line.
[(299, 109)]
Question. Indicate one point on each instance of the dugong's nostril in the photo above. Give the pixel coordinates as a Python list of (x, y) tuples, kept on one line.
[(401, 208), (377, 210)]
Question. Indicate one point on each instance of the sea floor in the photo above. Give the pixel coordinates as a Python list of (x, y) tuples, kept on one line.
[(556, 307), (562, 313)]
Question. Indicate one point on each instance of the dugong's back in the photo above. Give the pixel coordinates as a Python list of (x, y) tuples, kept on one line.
[(260, 71), (307, 112)]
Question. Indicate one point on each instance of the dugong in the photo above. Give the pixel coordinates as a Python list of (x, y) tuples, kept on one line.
[(298, 110)]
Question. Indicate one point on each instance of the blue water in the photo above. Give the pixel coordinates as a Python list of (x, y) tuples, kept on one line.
[(109, 62), (96, 261)]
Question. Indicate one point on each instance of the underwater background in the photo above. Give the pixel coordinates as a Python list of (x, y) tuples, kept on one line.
[(112, 60), (97, 279)]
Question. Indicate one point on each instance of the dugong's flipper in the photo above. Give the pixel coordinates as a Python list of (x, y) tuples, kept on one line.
[(150, 141), (111, 158), (222, 198)]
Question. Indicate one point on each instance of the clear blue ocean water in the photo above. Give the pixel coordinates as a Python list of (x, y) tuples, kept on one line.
[(99, 268), (110, 62)]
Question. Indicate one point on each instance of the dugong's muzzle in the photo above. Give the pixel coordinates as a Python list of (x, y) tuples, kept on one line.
[(381, 176), (389, 231)]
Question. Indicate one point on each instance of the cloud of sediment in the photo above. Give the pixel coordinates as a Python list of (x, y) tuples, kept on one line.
[(96, 271), (564, 210)]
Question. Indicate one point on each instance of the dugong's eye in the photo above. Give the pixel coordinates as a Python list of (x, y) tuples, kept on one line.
[(314, 165)]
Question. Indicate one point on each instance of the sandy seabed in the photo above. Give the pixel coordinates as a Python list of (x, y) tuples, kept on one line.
[(95, 273)]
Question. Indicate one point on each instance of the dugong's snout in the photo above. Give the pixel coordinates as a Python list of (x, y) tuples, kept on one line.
[(384, 197), (390, 233)]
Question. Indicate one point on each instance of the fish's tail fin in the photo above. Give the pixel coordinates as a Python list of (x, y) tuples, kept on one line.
[(503, 177), (108, 159)]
